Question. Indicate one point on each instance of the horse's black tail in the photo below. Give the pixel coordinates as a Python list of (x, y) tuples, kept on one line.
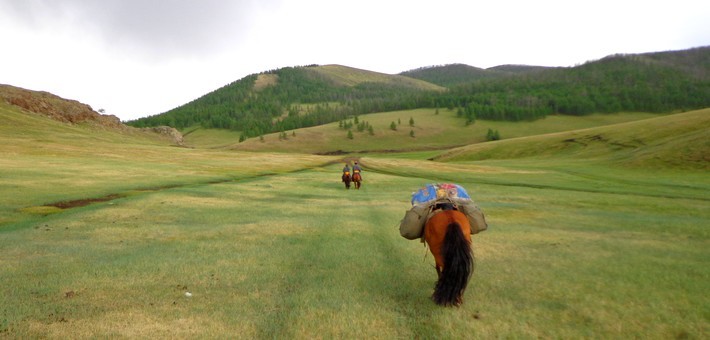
[(458, 267)]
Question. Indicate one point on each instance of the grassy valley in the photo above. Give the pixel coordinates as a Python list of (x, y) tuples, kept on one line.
[(597, 227), (46, 161)]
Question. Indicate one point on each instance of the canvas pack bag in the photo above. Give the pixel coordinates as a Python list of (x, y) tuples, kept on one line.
[(412, 225), (474, 214)]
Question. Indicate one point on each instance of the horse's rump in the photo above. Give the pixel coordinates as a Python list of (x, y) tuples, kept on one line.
[(447, 234), (437, 226), (357, 179)]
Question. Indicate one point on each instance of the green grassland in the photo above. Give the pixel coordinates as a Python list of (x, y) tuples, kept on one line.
[(431, 132), (45, 162), (198, 137), (270, 245), (680, 140)]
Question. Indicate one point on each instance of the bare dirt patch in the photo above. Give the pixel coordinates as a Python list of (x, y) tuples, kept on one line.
[(265, 80), (84, 202)]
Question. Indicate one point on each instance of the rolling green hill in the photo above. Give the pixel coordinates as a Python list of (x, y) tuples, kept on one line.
[(652, 82), (680, 141), (431, 132), (296, 97), (352, 77), (635, 139), (458, 74)]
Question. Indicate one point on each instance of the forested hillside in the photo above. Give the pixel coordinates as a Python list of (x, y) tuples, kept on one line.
[(654, 82), (457, 74), (296, 97)]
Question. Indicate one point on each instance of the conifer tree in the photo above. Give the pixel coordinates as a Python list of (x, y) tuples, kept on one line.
[(492, 135)]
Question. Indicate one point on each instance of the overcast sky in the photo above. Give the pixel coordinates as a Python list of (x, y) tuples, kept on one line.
[(135, 58)]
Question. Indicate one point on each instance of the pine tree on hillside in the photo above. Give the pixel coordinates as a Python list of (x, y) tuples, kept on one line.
[(492, 135)]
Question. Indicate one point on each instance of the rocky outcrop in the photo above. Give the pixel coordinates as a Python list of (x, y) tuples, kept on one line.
[(169, 132), (74, 112), (55, 107)]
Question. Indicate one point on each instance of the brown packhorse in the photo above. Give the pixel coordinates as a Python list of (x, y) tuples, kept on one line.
[(448, 235)]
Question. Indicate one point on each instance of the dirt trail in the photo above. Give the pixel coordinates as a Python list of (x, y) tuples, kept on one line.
[(110, 197)]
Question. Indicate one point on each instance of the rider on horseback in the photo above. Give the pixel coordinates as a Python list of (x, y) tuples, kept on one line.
[(357, 169), (346, 176)]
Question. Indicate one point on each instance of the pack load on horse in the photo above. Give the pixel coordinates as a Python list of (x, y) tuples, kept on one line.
[(425, 202), (445, 217)]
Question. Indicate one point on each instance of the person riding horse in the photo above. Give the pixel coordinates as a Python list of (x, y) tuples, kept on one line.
[(346, 176), (357, 169), (357, 176)]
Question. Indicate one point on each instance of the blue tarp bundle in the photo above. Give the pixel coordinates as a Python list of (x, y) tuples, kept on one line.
[(432, 192)]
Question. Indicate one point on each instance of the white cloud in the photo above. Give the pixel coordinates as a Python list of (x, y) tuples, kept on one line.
[(136, 58)]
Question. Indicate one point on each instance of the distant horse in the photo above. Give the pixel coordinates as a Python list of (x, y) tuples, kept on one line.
[(448, 235), (346, 179), (358, 180)]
